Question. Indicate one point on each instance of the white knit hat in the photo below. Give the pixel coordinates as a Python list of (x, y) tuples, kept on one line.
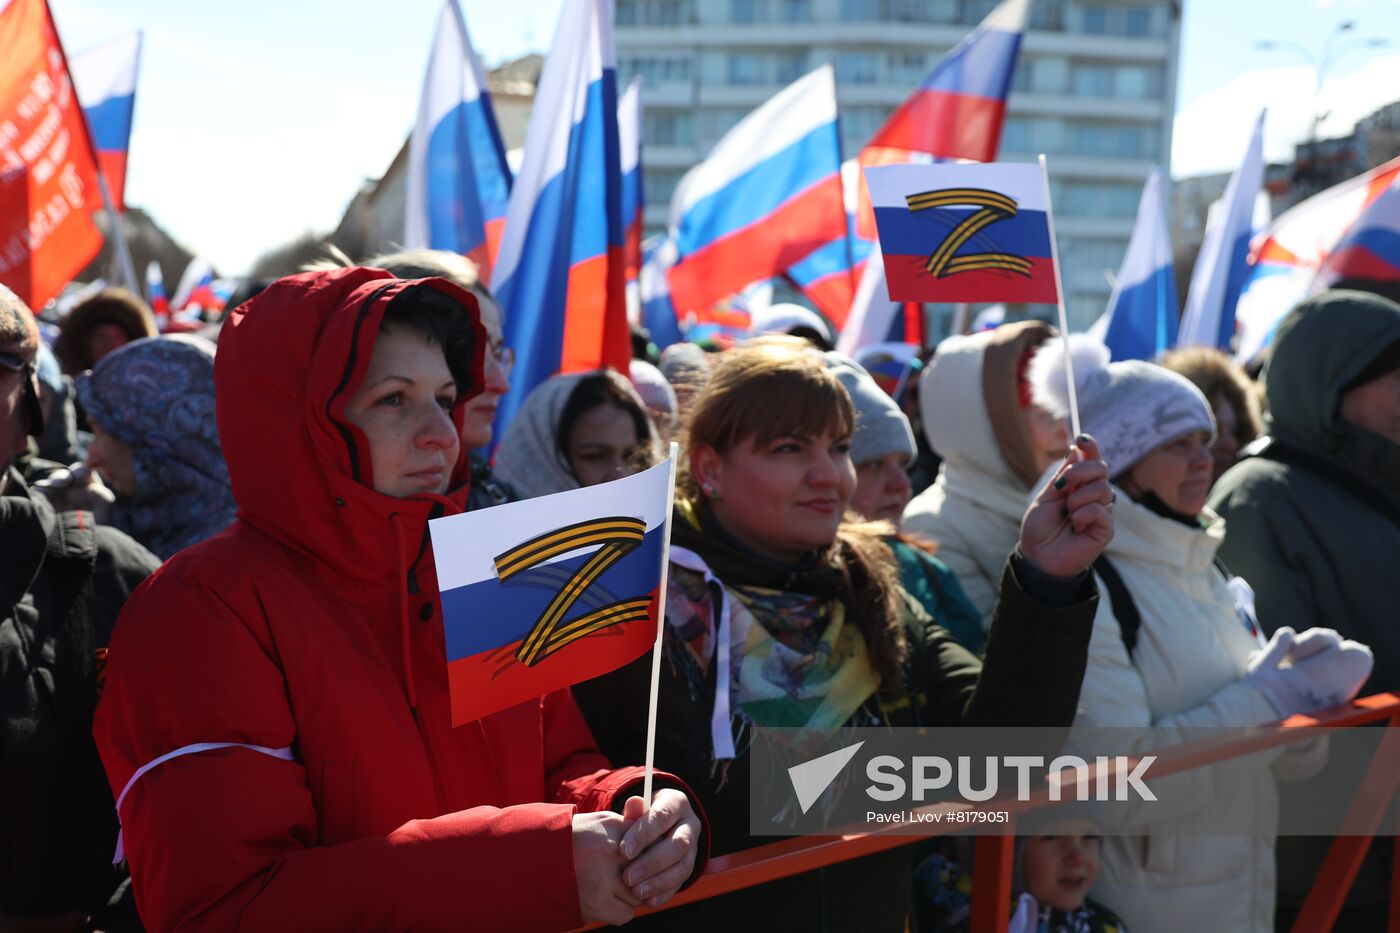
[(1130, 408)]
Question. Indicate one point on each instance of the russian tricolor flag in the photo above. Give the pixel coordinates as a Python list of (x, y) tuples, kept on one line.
[(830, 274), (766, 197), (658, 313), (155, 290), (958, 111), (629, 133), (964, 232), (559, 275), (1223, 262), (1371, 249), (541, 594), (105, 79), (458, 179), (1142, 311), (1288, 255)]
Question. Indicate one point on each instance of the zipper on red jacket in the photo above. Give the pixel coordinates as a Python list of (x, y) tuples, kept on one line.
[(409, 584)]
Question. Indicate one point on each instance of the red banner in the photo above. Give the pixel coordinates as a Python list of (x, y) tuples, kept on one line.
[(48, 174)]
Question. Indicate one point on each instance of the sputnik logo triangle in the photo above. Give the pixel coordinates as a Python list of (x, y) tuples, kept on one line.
[(811, 778)]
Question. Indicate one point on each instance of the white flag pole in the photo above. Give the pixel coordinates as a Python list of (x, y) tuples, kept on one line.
[(674, 457), (119, 246), (1060, 295)]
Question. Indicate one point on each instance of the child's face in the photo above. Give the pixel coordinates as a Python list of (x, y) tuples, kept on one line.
[(1059, 869)]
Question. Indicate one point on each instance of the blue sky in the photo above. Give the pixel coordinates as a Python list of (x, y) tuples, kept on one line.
[(257, 120)]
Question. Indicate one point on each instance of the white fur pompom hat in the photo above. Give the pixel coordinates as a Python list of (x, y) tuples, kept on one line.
[(1129, 407)]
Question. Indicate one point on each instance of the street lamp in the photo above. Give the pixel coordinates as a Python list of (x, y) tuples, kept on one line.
[(1320, 61)]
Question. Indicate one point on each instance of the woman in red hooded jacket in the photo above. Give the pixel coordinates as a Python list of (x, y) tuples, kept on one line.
[(275, 722)]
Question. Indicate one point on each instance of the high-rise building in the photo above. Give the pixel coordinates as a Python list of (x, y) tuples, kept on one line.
[(1095, 91)]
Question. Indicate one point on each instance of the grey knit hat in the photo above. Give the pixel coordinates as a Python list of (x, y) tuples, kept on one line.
[(1130, 408), (881, 428)]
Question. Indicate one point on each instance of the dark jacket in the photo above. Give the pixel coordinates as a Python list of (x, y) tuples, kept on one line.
[(63, 580), (1034, 664), (1313, 523), (1316, 542)]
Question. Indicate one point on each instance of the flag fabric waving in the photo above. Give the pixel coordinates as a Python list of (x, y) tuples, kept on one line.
[(105, 79), (963, 232), (541, 594), (1371, 248), (629, 134), (958, 110), (765, 198), (658, 314), (1223, 262), (155, 290), (559, 276), (48, 170), (458, 179), (1142, 311), (1288, 255)]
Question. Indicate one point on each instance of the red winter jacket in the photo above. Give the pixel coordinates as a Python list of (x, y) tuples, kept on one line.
[(311, 628)]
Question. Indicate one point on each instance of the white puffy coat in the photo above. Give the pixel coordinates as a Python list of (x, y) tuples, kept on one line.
[(973, 510), (1192, 649)]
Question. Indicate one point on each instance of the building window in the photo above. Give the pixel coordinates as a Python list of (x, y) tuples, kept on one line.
[(1021, 77), (661, 185), (668, 128), (1112, 140), (712, 124), (1016, 135), (1128, 22), (1088, 199), (745, 68), (857, 68), (908, 67), (654, 12), (748, 11), (1127, 82), (859, 124), (901, 11), (972, 12), (1048, 15), (1092, 81), (795, 11), (654, 70), (791, 66)]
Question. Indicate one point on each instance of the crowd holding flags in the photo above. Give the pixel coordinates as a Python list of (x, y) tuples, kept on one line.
[(562, 249)]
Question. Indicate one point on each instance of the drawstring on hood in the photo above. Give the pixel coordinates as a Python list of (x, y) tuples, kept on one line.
[(405, 648)]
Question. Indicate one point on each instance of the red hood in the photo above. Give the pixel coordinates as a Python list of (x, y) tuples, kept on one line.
[(289, 360)]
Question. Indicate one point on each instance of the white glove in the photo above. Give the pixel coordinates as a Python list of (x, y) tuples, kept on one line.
[(1315, 670)]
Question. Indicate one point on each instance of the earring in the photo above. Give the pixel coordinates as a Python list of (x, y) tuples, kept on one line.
[(711, 492)]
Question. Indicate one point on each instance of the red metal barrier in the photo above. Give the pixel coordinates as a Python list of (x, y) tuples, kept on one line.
[(991, 893)]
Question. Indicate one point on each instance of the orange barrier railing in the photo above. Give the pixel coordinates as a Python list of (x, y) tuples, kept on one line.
[(991, 870)]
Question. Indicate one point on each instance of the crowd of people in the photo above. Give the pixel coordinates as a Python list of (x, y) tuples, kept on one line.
[(221, 641)]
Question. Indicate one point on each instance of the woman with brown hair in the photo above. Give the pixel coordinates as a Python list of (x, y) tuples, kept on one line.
[(781, 613), (1233, 398)]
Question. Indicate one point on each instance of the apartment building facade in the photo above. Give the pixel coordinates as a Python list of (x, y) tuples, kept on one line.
[(1094, 90)]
